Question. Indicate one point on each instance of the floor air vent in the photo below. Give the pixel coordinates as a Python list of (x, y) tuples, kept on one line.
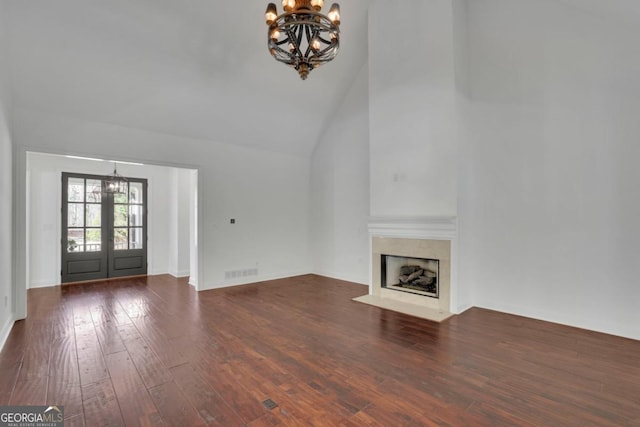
[(269, 404), (234, 274)]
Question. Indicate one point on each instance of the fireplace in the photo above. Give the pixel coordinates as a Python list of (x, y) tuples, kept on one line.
[(413, 268), (414, 275)]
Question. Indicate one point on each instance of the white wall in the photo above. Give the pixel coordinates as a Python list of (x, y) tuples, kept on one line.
[(340, 190), (173, 230), (6, 191), (465, 283), (416, 65), (551, 200), (412, 109), (44, 189), (179, 251), (193, 228), (183, 222), (542, 98), (266, 192)]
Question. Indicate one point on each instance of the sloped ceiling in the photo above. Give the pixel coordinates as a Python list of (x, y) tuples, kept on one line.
[(627, 11), (192, 68)]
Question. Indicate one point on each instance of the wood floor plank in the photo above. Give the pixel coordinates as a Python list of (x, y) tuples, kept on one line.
[(230, 389), (100, 405), (29, 392), (35, 361), (174, 407), (59, 392), (91, 363), (136, 405), (75, 421), (153, 351), (276, 418), (149, 366), (62, 324), (63, 360), (63, 386), (202, 396), (109, 337), (9, 375)]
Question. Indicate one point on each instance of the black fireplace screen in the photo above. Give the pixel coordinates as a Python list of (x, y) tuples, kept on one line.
[(414, 275)]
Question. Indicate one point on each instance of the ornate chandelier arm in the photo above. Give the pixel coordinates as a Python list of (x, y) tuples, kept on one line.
[(294, 42), (323, 40), (307, 31), (300, 32), (323, 51)]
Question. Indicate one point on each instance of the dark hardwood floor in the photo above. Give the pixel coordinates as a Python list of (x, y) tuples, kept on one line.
[(152, 351)]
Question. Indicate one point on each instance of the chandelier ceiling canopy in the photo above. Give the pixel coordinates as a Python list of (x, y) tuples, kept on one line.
[(302, 37)]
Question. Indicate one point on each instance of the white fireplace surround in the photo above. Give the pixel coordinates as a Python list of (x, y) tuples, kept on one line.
[(422, 228)]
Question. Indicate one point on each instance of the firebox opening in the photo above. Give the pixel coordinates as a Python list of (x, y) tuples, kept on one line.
[(414, 275)]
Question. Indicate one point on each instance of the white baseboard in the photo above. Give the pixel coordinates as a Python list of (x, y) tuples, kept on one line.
[(631, 331), (253, 279), (42, 284), (462, 308), (6, 329), (183, 273), (343, 278)]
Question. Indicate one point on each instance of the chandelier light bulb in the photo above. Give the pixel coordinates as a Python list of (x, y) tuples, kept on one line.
[(271, 14), (334, 13), (275, 35), (315, 44), (317, 4), (288, 5)]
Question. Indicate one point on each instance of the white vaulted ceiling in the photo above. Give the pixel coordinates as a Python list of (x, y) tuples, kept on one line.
[(192, 68), (622, 10)]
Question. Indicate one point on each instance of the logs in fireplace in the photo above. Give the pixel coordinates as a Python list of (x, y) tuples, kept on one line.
[(414, 275), (418, 278)]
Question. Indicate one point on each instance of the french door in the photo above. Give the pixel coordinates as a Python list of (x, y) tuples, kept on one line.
[(103, 234)]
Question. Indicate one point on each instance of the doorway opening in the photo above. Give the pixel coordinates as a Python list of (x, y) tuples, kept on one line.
[(171, 209)]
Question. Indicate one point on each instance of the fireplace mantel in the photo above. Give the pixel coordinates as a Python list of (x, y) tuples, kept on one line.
[(427, 227)]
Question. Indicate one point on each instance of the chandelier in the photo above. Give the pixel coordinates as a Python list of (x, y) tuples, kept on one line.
[(302, 37), (116, 183)]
